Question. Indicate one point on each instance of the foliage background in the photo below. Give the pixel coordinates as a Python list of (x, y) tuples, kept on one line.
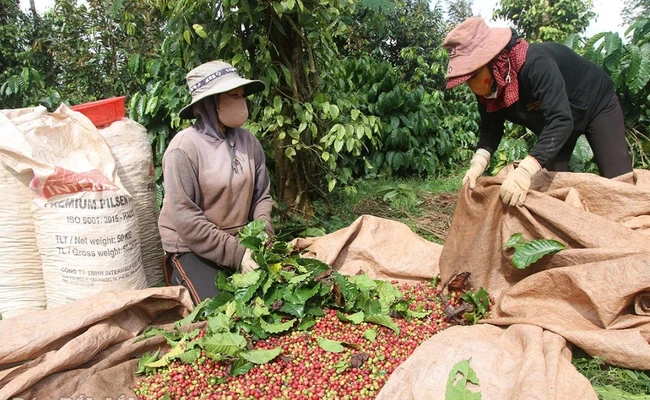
[(355, 117), (355, 88)]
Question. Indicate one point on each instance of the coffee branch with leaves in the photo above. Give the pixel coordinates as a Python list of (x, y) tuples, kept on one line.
[(288, 292), (529, 252)]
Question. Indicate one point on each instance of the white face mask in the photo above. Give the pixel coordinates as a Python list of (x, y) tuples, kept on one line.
[(232, 110)]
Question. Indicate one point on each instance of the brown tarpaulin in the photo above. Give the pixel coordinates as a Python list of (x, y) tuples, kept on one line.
[(520, 362), (382, 248), (84, 348), (585, 295)]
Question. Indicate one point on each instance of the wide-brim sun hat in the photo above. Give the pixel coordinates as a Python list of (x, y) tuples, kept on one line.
[(215, 77), (471, 45)]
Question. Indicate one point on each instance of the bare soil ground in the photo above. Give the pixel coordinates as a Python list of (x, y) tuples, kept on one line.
[(432, 220)]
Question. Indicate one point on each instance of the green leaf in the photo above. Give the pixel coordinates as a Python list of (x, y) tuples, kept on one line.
[(160, 146), (229, 344), (384, 320), (457, 386), (273, 295), (154, 68), (225, 38), (529, 253), (300, 278), (481, 302), (152, 103), (240, 367), (259, 308), (307, 323), (516, 240), (638, 74), (331, 183), (471, 318), (388, 292), (247, 293), (349, 144), (315, 311), (219, 323), (417, 314), (191, 317), (277, 104), (330, 345), (341, 366), (237, 58), (268, 283), (242, 310), (147, 358), (301, 295), (277, 327), (372, 307), (217, 302), (231, 309), (370, 334), (199, 31), (261, 356), (364, 283), (189, 356), (245, 280), (255, 229), (297, 310), (133, 63), (290, 152), (173, 353), (348, 290), (610, 392), (334, 111), (141, 106), (338, 145), (279, 9), (254, 328), (355, 318), (150, 332)]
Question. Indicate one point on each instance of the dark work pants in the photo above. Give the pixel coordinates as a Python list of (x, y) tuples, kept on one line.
[(606, 136), (195, 273)]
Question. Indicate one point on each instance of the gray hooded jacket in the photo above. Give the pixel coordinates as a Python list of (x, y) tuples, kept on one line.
[(214, 185)]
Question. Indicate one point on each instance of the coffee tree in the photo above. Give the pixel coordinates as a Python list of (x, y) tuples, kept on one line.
[(628, 63), (289, 45), (546, 20)]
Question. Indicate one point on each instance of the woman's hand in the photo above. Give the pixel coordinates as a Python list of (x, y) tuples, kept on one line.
[(477, 166), (516, 185), (247, 263)]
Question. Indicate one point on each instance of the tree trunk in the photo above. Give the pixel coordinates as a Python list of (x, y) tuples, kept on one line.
[(32, 6), (293, 178)]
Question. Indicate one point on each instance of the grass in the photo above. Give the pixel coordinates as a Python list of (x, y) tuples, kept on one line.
[(612, 383), (427, 206)]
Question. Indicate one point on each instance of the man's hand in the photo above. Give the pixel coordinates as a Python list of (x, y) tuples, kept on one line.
[(516, 185), (477, 166), (247, 263)]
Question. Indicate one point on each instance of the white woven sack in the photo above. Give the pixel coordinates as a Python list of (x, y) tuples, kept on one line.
[(86, 226), (131, 148), (22, 288)]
